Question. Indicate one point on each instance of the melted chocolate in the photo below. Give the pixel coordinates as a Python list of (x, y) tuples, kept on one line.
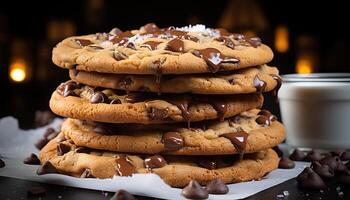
[(175, 45), (182, 104), (121, 38), (119, 56), (125, 83), (214, 58), (83, 42), (239, 140), (254, 41), (278, 86), (259, 84), (226, 41), (124, 166), (155, 161), (151, 45), (221, 109), (172, 141)]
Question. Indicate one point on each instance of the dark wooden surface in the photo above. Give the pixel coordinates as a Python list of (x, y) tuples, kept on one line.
[(13, 189)]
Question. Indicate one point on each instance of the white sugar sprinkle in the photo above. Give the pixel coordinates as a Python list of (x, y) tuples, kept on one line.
[(285, 193)]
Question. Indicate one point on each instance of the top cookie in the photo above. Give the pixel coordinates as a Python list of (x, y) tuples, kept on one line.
[(151, 50)]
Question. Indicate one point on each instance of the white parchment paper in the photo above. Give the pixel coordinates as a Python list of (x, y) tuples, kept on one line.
[(16, 144)]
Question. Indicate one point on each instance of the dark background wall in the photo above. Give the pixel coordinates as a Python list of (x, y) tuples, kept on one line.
[(317, 32)]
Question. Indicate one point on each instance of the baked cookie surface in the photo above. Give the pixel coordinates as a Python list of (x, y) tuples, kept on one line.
[(105, 105), (152, 50), (177, 171), (248, 132), (236, 82)]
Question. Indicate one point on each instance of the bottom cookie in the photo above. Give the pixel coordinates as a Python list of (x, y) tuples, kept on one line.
[(177, 171)]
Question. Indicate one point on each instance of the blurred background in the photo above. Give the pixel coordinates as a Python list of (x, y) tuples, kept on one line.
[(306, 37)]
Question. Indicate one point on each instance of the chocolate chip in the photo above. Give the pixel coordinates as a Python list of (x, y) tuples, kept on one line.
[(48, 132), (122, 195), (194, 191), (172, 141), (130, 45), (67, 89), (262, 120), (83, 42), (297, 155), (98, 97), (286, 163), (212, 57), (308, 179), (323, 170), (237, 36), (156, 161), (313, 155), (115, 31), (37, 191), (150, 28), (156, 113), (32, 160), (82, 150), (190, 37), (46, 168), (62, 149), (217, 186), (2, 163), (338, 152), (41, 143), (119, 56), (259, 84), (151, 45), (43, 118), (343, 178), (268, 114), (124, 165), (115, 101), (332, 162), (226, 41), (254, 41), (87, 173), (175, 45), (345, 156)]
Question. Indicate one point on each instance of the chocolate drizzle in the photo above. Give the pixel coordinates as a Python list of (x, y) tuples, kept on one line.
[(182, 104), (239, 140), (151, 45), (221, 109), (278, 86), (175, 45), (83, 42), (124, 166), (259, 84), (214, 58)]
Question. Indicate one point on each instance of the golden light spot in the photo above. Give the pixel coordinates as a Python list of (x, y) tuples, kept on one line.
[(17, 71), (304, 66), (281, 39)]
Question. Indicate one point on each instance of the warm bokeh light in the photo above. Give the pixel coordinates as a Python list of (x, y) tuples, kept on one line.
[(304, 66), (281, 39), (17, 71)]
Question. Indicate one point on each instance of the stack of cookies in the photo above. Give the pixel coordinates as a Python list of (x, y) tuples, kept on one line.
[(182, 103)]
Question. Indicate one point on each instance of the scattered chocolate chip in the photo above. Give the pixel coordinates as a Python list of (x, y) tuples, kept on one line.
[(82, 150), (115, 31), (278, 151), (343, 178), (345, 156), (2, 163), (87, 173), (259, 84), (297, 155), (62, 149), (41, 143), (122, 195), (83, 42), (286, 163), (119, 56), (46, 168), (43, 118), (217, 186), (172, 141), (323, 170), (155, 161), (115, 101), (308, 179), (332, 162), (175, 45), (262, 120), (313, 155), (98, 97), (32, 160), (194, 191), (37, 191), (157, 114)]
